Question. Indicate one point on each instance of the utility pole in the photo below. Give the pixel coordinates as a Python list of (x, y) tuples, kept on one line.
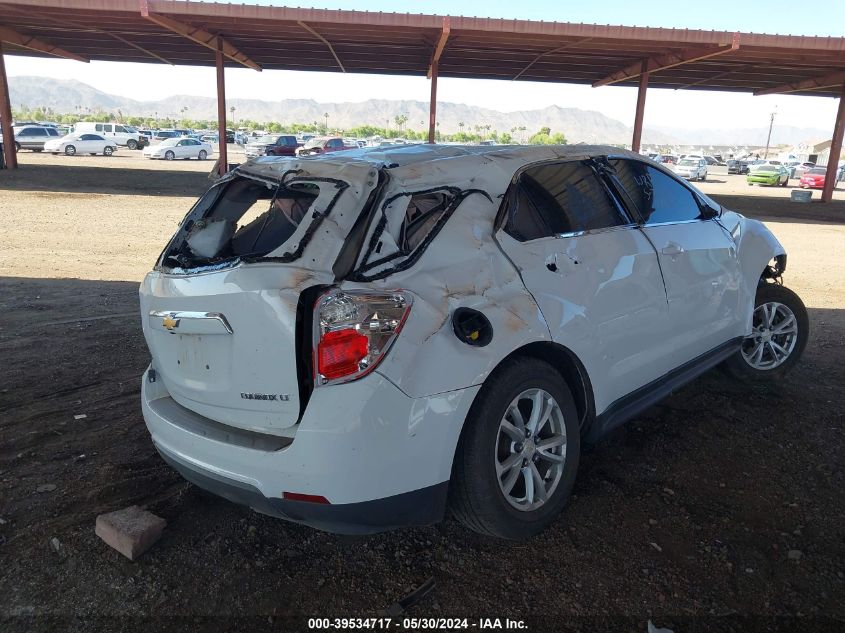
[(769, 138)]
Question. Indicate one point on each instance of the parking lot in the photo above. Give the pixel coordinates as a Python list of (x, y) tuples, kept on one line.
[(720, 509)]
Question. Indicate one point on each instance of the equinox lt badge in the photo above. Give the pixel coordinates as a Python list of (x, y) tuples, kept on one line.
[(282, 397)]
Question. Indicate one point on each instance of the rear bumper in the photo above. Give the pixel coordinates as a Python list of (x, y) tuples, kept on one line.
[(418, 507), (382, 459)]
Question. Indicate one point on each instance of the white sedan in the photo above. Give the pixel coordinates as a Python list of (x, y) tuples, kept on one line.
[(81, 144), (173, 148)]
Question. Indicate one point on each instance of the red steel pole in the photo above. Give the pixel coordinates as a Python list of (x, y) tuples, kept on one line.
[(6, 117), (638, 118), (432, 106), (835, 150), (223, 158)]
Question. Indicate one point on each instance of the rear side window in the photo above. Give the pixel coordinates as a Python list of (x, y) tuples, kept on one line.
[(659, 198), (247, 219), (557, 199)]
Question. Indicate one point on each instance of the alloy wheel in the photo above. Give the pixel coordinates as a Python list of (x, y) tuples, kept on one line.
[(530, 450), (773, 337)]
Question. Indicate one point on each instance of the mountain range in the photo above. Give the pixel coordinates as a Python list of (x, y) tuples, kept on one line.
[(67, 95)]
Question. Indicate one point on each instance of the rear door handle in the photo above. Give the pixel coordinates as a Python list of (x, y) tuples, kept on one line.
[(672, 249)]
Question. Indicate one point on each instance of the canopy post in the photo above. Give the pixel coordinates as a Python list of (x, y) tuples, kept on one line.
[(835, 150), (638, 118), (432, 106), (9, 154), (223, 153)]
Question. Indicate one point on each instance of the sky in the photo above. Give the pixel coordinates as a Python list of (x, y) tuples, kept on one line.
[(663, 107)]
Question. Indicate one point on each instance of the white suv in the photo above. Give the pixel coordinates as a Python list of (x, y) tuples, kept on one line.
[(362, 340), (692, 168)]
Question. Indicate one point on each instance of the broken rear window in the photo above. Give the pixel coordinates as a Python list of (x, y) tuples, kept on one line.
[(408, 222), (245, 219)]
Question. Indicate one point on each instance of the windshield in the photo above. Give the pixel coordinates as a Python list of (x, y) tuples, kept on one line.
[(314, 142), (688, 163), (817, 171), (767, 168), (170, 142), (266, 140)]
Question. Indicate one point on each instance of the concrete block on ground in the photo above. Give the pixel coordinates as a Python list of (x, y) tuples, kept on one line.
[(131, 531)]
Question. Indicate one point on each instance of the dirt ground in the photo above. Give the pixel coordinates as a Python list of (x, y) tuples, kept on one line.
[(720, 509)]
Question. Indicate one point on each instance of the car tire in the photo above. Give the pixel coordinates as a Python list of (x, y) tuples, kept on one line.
[(477, 496), (788, 328), (37, 151), (703, 177), (107, 151), (202, 155), (168, 155), (785, 183), (70, 150), (17, 147), (132, 144)]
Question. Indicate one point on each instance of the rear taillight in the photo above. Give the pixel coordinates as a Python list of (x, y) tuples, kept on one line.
[(353, 330)]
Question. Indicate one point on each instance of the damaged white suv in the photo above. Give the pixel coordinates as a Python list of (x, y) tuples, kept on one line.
[(362, 340)]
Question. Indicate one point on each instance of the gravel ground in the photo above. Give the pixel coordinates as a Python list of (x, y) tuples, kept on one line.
[(721, 509)]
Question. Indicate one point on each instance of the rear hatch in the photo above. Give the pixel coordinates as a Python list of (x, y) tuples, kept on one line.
[(220, 309)]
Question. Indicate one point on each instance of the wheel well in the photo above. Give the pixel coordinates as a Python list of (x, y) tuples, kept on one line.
[(573, 372)]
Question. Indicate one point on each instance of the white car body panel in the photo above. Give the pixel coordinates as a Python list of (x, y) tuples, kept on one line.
[(599, 294), (180, 149), (82, 146)]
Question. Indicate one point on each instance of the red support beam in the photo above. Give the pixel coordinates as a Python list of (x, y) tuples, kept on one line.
[(835, 150), (441, 44), (432, 105), (638, 118), (9, 154), (669, 60), (827, 81), (198, 35), (33, 43), (223, 149)]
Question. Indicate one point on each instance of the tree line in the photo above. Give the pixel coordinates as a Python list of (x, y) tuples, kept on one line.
[(467, 134)]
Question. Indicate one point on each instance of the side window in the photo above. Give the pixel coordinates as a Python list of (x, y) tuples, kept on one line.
[(423, 212), (99, 127), (659, 197), (120, 128), (107, 127), (559, 198)]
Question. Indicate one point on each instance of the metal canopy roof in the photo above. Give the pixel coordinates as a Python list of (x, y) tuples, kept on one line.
[(261, 37)]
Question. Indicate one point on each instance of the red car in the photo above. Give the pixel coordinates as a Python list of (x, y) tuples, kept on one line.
[(813, 179), (323, 145)]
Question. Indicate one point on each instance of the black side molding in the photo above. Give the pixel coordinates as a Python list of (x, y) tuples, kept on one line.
[(637, 401)]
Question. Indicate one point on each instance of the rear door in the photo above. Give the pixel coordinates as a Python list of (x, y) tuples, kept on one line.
[(697, 256), (594, 275)]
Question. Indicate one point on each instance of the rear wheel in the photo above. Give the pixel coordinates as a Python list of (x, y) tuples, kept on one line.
[(17, 147), (168, 155), (780, 328), (107, 150), (132, 144), (518, 455), (70, 150)]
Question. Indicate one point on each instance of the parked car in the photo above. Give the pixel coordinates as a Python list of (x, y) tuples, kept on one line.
[(668, 159), (736, 166), (272, 145), (323, 145), (72, 144), (691, 168), (163, 135), (774, 175), (211, 139), (418, 327), (33, 137), (800, 169), (172, 148), (813, 178), (116, 132)]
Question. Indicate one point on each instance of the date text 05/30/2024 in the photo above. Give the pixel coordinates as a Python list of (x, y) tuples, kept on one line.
[(417, 624)]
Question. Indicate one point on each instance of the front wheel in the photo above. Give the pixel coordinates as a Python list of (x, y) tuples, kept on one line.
[(168, 155), (107, 151), (518, 455), (132, 144), (779, 332), (202, 155)]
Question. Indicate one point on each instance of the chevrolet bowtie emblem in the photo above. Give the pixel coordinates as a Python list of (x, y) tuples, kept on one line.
[(169, 323)]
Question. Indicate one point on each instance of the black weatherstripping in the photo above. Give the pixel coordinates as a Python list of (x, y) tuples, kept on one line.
[(637, 401)]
